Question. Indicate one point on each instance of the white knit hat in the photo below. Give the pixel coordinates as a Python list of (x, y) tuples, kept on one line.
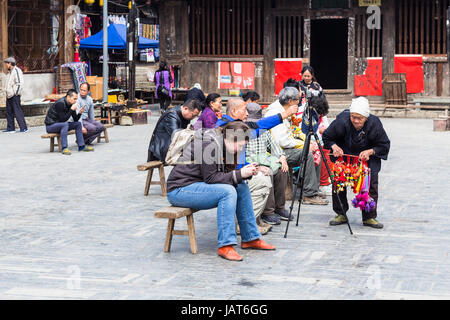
[(361, 106)]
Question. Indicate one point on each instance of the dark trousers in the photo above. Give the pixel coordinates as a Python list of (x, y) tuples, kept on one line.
[(13, 109), (94, 129), (63, 127), (373, 192), (276, 199), (164, 101), (294, 158)]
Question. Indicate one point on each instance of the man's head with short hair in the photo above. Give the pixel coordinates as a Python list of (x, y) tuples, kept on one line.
[(237, 109), (191, 108), (71, 96), (251, 96), (84, 89), (289, 96), (291, 83), (320, 104)]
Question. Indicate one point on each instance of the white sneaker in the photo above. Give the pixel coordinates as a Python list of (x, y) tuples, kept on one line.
[(326, 190)]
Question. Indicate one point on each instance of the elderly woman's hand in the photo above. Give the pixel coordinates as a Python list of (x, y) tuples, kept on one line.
[(365, 155), (337, 151)]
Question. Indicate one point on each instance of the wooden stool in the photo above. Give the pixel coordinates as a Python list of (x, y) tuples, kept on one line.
[(173, 213), (52, 137), (149, 166), (105, 133)]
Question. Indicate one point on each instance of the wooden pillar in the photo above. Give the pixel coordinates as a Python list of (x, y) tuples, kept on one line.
[(351, 55), (307, 41), (269, 53), (388, 16), (68, 33), (174, 36), (3, 30)]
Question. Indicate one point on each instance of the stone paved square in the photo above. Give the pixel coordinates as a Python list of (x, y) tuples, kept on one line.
[(79, 227)]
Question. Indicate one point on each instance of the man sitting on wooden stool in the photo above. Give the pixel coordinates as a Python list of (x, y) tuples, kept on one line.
[(91, 128), (58, 115), (176, 118)]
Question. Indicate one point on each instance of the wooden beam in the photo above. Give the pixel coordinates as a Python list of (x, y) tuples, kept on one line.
[(68, 34), (269, 52), (388, 14), (4, 30)]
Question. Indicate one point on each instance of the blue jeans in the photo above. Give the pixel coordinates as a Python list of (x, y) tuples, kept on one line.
[(230, 202), (63, 127)]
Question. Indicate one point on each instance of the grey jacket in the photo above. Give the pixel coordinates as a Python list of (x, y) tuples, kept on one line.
[(14, 82)]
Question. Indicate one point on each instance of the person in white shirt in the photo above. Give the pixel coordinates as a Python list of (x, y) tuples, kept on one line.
[(14, 89), (91, 128), (293, 148)]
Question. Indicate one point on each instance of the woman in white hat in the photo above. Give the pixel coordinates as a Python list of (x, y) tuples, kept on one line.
[(357, 132)]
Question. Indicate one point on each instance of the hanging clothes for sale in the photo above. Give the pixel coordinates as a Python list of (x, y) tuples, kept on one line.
[(87, 27)]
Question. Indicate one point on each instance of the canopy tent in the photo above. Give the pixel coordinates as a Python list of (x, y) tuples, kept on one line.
[(117, 39)]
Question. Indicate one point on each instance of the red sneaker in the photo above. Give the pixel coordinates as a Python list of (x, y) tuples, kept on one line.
[(228, 252), (257, 244)]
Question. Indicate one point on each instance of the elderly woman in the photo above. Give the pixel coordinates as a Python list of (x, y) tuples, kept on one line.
[(215, 182), (209, 116), (357, 132)]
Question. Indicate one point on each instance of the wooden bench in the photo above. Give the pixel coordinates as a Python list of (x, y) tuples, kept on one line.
[(173, 213), (52, 136), (431, 100), (150, 166)]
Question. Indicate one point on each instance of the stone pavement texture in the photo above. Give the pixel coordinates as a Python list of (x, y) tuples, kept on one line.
[(79, 227)]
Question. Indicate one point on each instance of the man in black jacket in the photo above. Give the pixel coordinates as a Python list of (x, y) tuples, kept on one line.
[(57, 117), (176, 118), (357, 132)]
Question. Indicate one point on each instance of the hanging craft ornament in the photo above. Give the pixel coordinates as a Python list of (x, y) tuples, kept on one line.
[(354, 173)]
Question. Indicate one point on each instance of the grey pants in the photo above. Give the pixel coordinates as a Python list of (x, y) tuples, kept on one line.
[(294, 158), (259, 186), (94, 129)]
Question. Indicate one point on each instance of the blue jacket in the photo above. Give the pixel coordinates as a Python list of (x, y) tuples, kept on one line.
[(264, 124)]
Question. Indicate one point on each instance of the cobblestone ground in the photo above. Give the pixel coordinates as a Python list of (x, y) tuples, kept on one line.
[(79, 227)]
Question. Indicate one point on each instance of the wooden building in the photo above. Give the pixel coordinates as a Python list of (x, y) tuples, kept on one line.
[(340, 39)]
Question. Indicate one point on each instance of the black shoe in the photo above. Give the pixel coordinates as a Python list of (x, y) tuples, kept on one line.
[(284, 215), (273, 219)]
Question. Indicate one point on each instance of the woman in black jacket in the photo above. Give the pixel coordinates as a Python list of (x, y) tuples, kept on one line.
[(213, 181)]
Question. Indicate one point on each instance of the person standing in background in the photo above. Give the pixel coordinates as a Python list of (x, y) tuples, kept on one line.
[(14, 89)]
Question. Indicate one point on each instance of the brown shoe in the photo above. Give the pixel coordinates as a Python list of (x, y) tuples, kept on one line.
[(257, 244), (316, 200), (228, 252), (264, 230)]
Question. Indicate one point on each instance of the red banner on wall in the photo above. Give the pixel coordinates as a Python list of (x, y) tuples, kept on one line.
[(412, 65), (234, 75), (370, 83), (285, 69)]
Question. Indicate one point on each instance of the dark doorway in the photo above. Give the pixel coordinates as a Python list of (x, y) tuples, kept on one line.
[(329, 55)]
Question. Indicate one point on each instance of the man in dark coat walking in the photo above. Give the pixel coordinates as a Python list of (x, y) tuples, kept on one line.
[(357, 132)]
